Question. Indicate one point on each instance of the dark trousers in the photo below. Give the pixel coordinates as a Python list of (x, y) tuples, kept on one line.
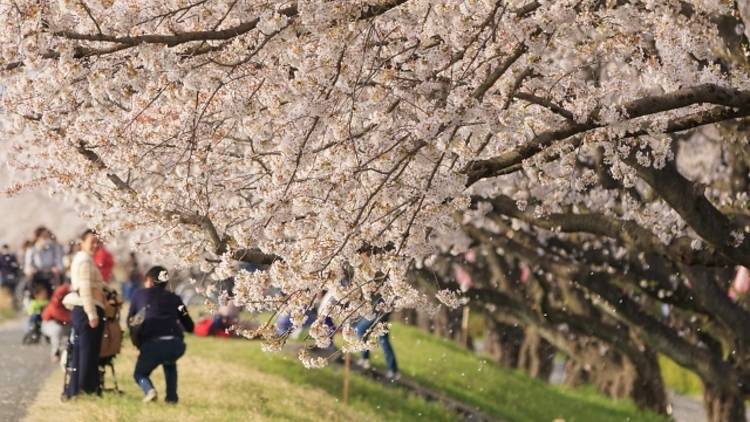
[(35, 322), (157, 352), (87, 343), (361, 328)]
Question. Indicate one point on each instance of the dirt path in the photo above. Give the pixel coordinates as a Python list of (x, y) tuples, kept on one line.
[(23, 370)]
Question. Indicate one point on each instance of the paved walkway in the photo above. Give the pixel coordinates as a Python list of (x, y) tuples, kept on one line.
[(684, 408), (688, 409), (23, 370)]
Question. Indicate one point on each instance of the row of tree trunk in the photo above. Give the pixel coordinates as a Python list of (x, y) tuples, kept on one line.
[(586, 361)]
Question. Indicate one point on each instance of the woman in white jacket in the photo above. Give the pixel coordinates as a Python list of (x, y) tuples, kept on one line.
[(86, 318)]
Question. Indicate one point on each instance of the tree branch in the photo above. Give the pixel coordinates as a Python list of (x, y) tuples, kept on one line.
[(176, 39), (697, 211), (738, 103), (631, 234)]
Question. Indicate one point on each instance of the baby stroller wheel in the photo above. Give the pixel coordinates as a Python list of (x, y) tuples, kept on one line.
[(30, 338), (34, 333)]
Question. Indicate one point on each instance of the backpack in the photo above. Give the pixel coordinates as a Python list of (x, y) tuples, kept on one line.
[(135, 323), (112, 338)]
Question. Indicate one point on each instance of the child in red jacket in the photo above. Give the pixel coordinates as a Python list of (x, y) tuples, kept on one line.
[(56, 321)]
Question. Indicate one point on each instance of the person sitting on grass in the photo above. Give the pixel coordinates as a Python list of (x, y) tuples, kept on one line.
[(160, 334)]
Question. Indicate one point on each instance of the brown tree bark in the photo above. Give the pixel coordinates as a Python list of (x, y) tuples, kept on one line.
[(647, 385), (616, 375), (576, 373), (723, 403), (536, 355), (446, 323), (406, 316), (502, 342)]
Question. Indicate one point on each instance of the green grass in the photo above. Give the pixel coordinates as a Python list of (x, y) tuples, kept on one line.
[(676, 378), (365, 395), (679, 379), (233, 380), (230, 380), (505, 394)]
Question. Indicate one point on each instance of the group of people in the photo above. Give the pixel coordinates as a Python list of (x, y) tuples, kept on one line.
[(362, 327), (157, 318), (68, 295), (39, 278)]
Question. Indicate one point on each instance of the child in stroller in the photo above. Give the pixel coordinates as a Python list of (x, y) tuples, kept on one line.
[(34, 307)]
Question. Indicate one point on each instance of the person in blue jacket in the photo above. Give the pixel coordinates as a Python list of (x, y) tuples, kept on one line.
[(160, 335)]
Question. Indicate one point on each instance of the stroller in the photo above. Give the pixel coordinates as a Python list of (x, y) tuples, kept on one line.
[(35, 304), (34, 334), (111, 345)]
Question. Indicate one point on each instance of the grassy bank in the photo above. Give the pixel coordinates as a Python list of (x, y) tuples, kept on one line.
[(505, 394), (679, 379), (676, 378), (229, 380)]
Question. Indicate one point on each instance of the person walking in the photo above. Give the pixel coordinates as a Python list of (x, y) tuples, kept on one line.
[(158, 318), (86, 317), (135, 277), (9, 270), (362, 328)]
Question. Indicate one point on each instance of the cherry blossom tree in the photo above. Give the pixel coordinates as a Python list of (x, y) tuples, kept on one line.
[(314, 136)]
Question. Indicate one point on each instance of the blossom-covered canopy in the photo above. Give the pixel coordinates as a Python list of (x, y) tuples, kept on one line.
[(314, 132)]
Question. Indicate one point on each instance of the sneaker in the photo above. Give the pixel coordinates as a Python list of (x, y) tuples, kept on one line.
[(363, 363), (393, 375), (150, 396)]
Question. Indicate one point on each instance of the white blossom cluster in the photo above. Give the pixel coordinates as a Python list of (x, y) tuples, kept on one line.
[(451, 298)]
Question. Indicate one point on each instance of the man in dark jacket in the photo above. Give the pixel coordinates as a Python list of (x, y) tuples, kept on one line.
[(160, 336)]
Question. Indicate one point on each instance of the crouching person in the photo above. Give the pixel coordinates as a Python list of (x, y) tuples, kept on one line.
[(56, 321), (157, 319)]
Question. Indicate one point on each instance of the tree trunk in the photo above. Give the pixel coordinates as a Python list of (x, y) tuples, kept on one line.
[(723, 404), (617, 375), (502, 342), (536, 355), (423, 321), (575, 373), (647, 387), (406, 316), (447, 323)]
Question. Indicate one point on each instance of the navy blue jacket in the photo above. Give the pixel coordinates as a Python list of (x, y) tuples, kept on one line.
[(166, 315)]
